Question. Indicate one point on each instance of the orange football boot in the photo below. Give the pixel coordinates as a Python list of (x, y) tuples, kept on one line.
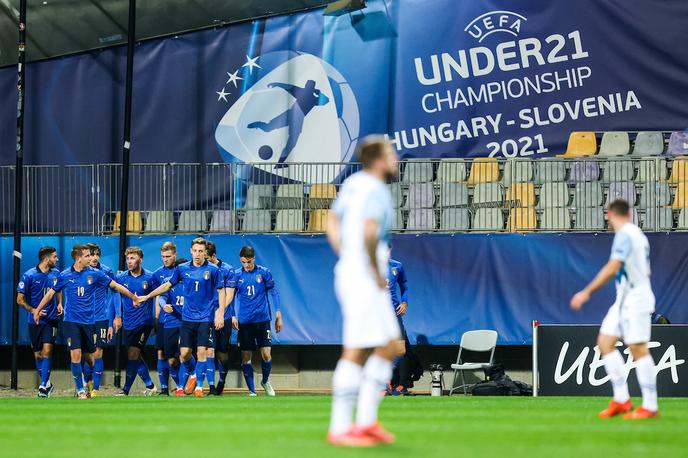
[(378, 433), (190, 385), (616, 408), (350, 439), (641, 413)]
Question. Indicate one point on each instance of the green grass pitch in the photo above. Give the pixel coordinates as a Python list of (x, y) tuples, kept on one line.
[(295, 426)]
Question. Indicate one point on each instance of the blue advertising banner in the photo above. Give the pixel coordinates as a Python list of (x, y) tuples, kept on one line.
[(456, 282), (444, 78)]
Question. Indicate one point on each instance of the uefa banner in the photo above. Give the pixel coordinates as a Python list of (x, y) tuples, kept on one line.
[(566, 361), (443, 78)]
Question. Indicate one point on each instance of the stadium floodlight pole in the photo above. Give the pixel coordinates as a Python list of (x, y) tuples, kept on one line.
[(18, 184), (124, 203)]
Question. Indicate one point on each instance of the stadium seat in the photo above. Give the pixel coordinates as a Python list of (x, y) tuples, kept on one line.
[(619, 170), (555, 219), (134, 223), (421, 219), (680, 196), (678, 144), (589, 219), (549, 171), (289, 221), (455, 219), (453, 194), (289, 196), (521, 194), (621, 190), (488, 193), (581, 144), (655, 195), (192, 221), (522, 220), (587, 170), (480, 341), (418, 172), (397, 195), (451, 171), (651, 169), (682, 220), (553, 195), (679, 170), (587, 195), (322, 195), (648, 144), (258, 196), (257, 221), (484, 170), (398, 222), (159, 221), (222, 221), (488, 219), (318, 221), (517, 171), (420, 195), (614, 144), (658, 219)]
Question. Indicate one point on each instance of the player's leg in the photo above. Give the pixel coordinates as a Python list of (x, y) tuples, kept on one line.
[(46, 353), (77, 374), (264, 342), (398, 383), (163, 363), (172, 350), (376, 372), (210, 370), (133, 356), (247, 344), (614, 364), (205, 341), (647, 379), (345, 387), (143, 371), (98, 366), (35, 335), (223, 339)]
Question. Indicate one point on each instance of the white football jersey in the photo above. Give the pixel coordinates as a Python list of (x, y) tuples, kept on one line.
[(632, 248)]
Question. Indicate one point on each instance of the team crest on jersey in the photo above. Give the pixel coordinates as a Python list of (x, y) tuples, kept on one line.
[(394, 271), (259, 278), (206, 275), (89, 279), (21, 284), (69, 341), (145, 285), (54, 280)]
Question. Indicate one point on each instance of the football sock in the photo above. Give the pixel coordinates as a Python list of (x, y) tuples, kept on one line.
[(614, 365), (132, 368), (187, 367), (77, 375), (647, 379), (163, 372), (266, 366), (345, 385), (88, 372), (404, 372), (98, 366), (222, 371), (45, 371), (210, 371), (247, 369), (376, 373), (174, 373), (39, 367), (200, 373), (145, 374)]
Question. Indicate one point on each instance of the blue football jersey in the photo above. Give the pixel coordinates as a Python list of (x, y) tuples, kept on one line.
[(228, 273), (397, 282), (160, 276), (33, 285), (174, 297), (251, 293), (200, 286), (78, 293), (133, 317), (103, 296)]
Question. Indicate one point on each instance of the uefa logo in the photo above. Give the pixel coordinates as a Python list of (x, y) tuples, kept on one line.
[(293, 108)]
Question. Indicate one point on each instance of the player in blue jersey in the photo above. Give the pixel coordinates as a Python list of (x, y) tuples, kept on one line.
[(397, 284), (31, 288), (168, 363), (104, 329), (79, 283), (252, 284), (223, 337), (171, 304), (200, 280), (137, 319)]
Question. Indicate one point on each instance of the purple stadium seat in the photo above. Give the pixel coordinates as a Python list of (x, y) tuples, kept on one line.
[(678, 144), (621, 190), (584, 171)]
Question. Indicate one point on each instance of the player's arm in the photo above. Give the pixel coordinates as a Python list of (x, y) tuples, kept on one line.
[(221, 305), (607, 272), (21, 301), (334, 232), (38, 311), (125, 292), (163, 288), (403, 289), (274, 299), (60, 308), (115, 313)]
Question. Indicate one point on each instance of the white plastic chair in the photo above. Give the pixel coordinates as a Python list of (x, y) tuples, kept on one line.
[(482, 341)]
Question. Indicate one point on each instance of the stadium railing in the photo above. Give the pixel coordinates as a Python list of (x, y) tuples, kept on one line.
[(563, 194)]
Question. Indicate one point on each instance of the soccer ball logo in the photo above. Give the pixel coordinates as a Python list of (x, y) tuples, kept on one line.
[(295, 108)]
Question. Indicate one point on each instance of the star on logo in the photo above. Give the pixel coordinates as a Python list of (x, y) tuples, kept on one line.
[(222, 95), (233, 78), (250, 63)]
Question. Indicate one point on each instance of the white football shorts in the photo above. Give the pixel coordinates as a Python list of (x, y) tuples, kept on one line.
[(630, 318)]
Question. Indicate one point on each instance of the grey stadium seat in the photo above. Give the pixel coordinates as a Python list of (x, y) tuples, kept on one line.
[(518, 171), (614, 144), (222, 221), (648, 144), (589, 219), (587, 194), (488, 219), (455, 219), (398, 222), (289, 221), (192, 221), (555, 219), (547, 170), (397, 195), (257, 221), (418, 172), (421, 219), (553, 195), (488, 193), (258, 196), (450, 171), (658, 219), (621, 190), (655, 195), (420, 195), (159, 221), (651, 169), (289, 196), (619, 170), (453, 194), (683, 220)]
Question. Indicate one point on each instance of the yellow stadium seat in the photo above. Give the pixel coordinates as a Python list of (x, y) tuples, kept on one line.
[(484, 170), (322, 195), (581, 144), (134, 223), (681, 196), (522, 220), (318, 221), (524, 193), (679, 170)]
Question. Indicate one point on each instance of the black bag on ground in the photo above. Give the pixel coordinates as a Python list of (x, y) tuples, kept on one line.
[(500, 384), (489, 389)]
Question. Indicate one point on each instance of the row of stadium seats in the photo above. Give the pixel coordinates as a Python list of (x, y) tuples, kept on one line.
[(615, 144)]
